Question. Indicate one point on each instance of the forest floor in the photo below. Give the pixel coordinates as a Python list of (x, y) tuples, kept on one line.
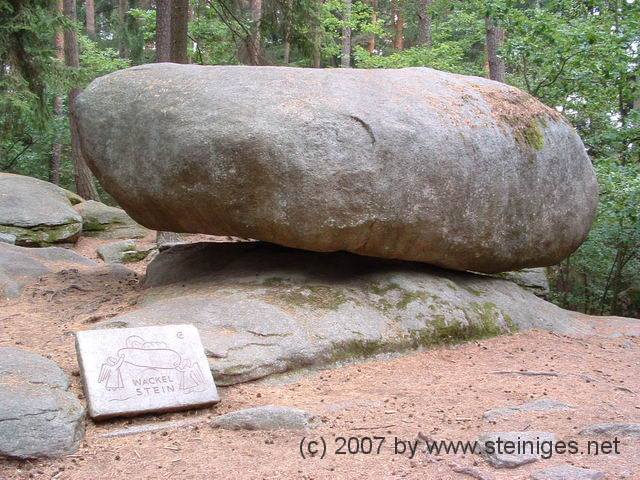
[(439, 394)]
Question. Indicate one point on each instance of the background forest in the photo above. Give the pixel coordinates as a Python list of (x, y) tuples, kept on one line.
[(580, 57)]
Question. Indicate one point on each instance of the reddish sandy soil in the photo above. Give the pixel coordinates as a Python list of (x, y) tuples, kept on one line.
[(440, 394)]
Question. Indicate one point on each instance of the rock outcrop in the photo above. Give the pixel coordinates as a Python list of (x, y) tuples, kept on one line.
[(37, 213), (415, 164), (102, 221), (125, 251), (263, 309), (20, 266), (39, 416)]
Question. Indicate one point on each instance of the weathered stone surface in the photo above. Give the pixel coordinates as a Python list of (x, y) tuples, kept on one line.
[(8, 238), (37, 212), (20, 266), (126, 251), (460, 172), (263, 309), (268, 417), (153, 427), (535, 406), (31, 368), (613, 429), (38, 416), (533, 279), (567, 472), (102, 221), (522, 454), (140, 370)]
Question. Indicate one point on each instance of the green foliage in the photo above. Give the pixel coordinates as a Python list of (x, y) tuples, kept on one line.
[(447, 57), (597, 276)]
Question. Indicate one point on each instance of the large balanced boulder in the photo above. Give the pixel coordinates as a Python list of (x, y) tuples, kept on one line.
[(39, 417), (36, 212), (415, 164), (263, 309)]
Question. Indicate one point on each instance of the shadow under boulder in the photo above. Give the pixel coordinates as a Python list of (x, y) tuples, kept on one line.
[(263, 309)]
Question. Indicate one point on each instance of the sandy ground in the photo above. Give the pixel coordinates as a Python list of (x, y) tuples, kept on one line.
[(437, 394)]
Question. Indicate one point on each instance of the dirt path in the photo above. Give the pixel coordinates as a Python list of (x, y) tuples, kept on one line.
[(440, 393)]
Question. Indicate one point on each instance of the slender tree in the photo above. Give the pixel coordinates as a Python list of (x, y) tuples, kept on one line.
[(345, 57), (90, 18), (371, 43), (123, 8), (163, 31), (424, 23), (254, 41), (316, 32), (288, 14), (56, 149), (398, 24), (85, 186), (494, 41), (179, 31)]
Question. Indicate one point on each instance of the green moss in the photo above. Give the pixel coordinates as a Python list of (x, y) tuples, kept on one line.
[(359, 348), (92, 225), (380, 289), (452, 284), (489, 317), (131, 256), (408, 297), (510, 323), (273, 282), (318, 296), (533, 136), (473, 291), (42, 235)]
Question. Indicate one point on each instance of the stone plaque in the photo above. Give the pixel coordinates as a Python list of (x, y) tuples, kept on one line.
[(129, 371)]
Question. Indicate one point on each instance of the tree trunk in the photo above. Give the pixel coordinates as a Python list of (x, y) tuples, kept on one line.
[(371, 43), (254, 41), (287, 33), (495, 39), (56, 149), (345, 57), (123, 8), (398, 24), (179, 31), (317, 35), (424, 23), (90, 20), (163, 31), (85, 186)]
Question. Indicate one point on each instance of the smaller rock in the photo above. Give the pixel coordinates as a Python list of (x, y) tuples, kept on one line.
[(37, 213), (8, 238), (567, 472), (613, 429), (102, 221), (540, 405), (495, 446), (267, 417), (152, 427), (39, 416), (533, 279), (20, 266), (123, 252), (31, 367)]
